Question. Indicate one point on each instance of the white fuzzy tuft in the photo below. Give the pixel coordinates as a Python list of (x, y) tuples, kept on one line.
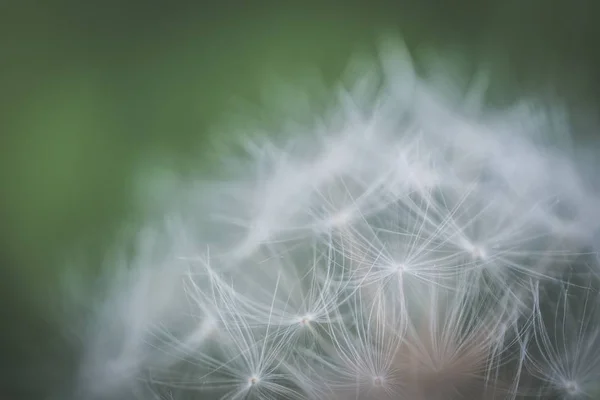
[(394, 248)]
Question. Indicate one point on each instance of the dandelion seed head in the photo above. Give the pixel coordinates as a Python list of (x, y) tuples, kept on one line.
[(571, 388), (400, 246), (305, 320), (400, 268), (478, 253)]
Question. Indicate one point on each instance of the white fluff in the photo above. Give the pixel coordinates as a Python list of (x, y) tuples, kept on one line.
[(392, 247)]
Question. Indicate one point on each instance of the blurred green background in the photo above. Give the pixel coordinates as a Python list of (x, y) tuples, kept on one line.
[(90, 90)]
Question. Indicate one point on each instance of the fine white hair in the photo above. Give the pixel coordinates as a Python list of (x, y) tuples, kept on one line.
[(392, 245)]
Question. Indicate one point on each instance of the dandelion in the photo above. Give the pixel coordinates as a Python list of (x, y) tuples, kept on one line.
[(361, 361), (401, 246), (565, 353)]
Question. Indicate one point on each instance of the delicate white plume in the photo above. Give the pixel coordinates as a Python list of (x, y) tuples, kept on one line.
[(393, 245)]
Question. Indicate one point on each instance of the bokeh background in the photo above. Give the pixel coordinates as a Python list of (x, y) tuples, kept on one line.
[(92, 91)]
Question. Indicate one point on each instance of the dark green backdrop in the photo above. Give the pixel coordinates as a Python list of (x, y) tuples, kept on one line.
[(91, 89)]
